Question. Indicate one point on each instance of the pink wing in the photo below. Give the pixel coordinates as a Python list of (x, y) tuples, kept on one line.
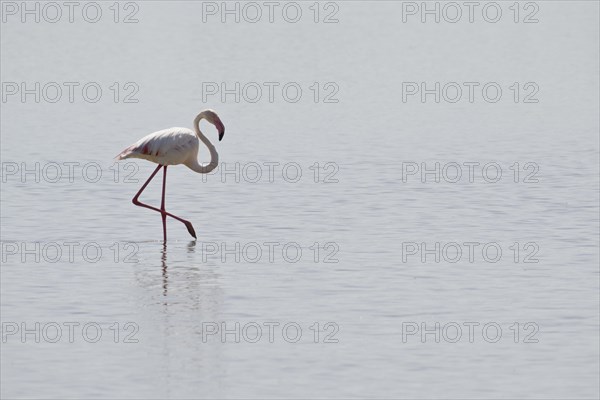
[(167, 147)]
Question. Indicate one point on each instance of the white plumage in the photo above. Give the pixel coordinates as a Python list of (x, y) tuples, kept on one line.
[(166, 147)]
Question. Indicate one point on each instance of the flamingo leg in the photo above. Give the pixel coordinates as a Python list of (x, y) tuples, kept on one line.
[(135, 198), (138, 203), (162, 205)]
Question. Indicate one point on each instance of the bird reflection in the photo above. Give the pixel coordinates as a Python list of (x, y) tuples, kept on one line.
[(181, 277), (191, 247), (165, 275), (177, 291)]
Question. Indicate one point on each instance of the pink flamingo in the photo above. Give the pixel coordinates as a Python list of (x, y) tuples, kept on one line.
[(172, 147)]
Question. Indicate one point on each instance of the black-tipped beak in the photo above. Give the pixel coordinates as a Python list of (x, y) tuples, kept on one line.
[(220, 128)]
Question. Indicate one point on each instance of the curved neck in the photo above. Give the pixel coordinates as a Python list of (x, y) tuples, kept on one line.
[(214, 156)]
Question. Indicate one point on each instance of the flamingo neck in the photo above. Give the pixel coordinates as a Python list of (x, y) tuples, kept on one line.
[(214, 156)]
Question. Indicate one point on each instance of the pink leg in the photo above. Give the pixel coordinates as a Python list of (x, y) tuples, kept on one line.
[(162, 205), (135, 201)]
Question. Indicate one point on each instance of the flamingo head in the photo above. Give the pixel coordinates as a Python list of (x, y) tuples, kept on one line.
[(214, 119)]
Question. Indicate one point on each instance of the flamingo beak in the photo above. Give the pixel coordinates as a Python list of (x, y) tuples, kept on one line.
[(220, 128)]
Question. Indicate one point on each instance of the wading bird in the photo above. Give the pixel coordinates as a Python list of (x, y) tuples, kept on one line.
[(172, 147)]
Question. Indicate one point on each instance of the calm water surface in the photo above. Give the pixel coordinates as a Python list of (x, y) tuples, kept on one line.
[(354, 227)]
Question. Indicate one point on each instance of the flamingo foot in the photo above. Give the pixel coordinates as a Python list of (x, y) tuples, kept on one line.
[(190, 229)]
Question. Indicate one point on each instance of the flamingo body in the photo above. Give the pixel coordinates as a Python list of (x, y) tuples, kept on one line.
[(171, 146)]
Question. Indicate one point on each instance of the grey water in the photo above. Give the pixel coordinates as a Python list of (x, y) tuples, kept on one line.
[(344, 248)]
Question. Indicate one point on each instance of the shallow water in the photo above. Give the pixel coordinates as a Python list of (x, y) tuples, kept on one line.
[(327, 282)]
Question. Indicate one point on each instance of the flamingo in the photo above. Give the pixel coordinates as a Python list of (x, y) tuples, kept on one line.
[(175, 146)]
